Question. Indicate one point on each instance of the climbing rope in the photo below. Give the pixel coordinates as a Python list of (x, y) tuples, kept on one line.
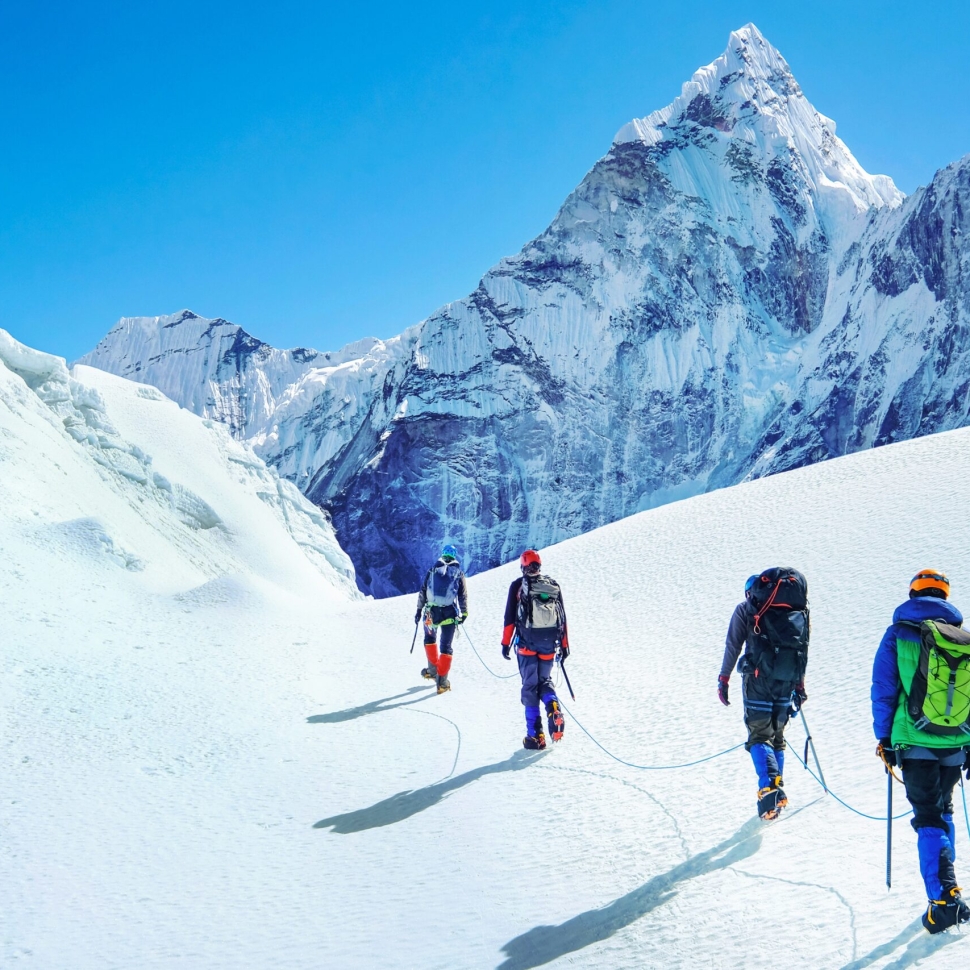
[(845, 804), (514, 673), (712, 757), (629, 764)]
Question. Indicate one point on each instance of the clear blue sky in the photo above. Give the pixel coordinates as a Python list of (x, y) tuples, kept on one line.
[(320, 172)]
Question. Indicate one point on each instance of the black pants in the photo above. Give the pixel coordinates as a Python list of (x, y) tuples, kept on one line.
[(447, 636), (929, 788), (767, 708)]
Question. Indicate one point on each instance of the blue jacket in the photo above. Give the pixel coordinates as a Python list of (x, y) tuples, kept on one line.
[(886, 684)]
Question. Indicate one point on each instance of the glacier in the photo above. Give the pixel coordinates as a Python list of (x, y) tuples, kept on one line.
[(726, 294)]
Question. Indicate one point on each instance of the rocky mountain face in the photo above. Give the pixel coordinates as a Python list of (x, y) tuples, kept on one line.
[(725, 295)]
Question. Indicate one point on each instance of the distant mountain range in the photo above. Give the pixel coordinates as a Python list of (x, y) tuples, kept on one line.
[(725, 295)]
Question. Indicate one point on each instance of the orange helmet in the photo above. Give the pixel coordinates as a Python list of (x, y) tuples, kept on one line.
[(930, 582), (529, 558)]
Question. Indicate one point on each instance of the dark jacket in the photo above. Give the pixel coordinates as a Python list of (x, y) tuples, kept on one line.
[(511, 615), (736, 635), (737, 639), (439, 614), (886, 683)]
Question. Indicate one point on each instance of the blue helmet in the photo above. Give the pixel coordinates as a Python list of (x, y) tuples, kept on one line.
[(449, 552), (749, 584)]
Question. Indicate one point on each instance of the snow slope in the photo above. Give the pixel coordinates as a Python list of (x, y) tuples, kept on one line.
[(204, 769)]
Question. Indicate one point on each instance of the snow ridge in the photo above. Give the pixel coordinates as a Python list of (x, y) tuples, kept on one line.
[(180, 536)]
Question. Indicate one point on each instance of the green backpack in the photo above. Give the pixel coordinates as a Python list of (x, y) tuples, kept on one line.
[(939, 700)]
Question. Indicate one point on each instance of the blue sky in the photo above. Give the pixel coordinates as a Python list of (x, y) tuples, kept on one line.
[(317, 173)]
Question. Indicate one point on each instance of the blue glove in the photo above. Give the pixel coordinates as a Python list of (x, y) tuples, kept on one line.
[(722, 690), (417, 617), (507, 651)]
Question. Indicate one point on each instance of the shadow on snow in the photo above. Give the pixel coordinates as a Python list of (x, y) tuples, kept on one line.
[(542, 944), (407, 803), (374, 707), (919, 948)]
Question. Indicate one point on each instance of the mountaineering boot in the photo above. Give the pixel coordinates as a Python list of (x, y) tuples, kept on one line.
[(429, 673), (444, 666), (557, 724), (782, 798), (535, 741), (941, 914), (768, 803)]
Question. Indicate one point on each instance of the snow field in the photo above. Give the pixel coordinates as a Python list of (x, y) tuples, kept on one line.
[(217, 757)]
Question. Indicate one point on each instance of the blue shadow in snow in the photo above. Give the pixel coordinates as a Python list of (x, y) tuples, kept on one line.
[(919, 948), (407, 803), (542, 944), (374, 707)]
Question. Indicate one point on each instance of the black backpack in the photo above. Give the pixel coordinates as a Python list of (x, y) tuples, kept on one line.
[(779, 627)]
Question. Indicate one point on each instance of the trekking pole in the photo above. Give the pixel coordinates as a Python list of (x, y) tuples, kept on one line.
[(809, 743), (889, 829), (963, 793), (562, 667), (414, 639)]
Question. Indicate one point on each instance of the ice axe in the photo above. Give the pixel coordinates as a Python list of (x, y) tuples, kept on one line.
[(562, 667), (809, 743), (889, 828), (414, 639)]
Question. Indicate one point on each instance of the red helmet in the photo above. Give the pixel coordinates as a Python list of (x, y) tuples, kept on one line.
[(529, 558)]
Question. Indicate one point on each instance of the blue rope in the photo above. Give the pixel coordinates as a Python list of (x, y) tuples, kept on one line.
[(514, 673), (629, 764), (711, 757), (828, 791)]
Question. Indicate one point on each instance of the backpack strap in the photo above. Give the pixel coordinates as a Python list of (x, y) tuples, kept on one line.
[(768, 602)]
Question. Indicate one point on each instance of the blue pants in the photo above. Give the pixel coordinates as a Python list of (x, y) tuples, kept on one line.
[(929, 788), (537, 685)]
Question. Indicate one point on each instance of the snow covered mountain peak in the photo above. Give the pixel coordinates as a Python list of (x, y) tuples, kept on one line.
[(726, 294), (747, 108)]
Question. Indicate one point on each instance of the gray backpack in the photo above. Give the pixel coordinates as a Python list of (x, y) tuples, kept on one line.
[(540, 615), (443, 583)]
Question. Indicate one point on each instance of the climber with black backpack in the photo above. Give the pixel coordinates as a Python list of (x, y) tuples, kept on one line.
[(442, 602), (921, 716), (773, 623), (535, 624)]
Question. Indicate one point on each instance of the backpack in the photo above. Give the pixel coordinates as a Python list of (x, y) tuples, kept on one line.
[(939, 699), (540, 616), (441, 586), (779, 629)]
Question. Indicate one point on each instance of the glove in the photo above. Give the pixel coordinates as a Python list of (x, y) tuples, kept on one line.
[(462, 618), (966, 765), (507, 651), (886, 752), (722, 690), (418, 615), (801, 694), (563, 653)]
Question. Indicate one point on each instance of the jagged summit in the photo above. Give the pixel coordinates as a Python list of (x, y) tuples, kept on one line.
[(748, 104), (726, 294)]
